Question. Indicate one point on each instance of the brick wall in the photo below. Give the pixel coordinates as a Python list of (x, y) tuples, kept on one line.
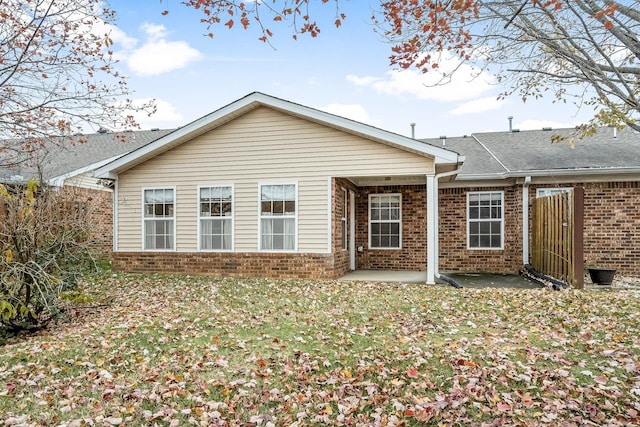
[(413, 255), (611, 224), (246, 264), (454, 255), (100, 211)]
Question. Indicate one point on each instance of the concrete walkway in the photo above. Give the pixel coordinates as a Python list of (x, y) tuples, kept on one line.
[(467, 280)]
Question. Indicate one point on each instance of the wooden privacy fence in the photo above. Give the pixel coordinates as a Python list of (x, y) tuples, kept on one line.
[(556, 236)]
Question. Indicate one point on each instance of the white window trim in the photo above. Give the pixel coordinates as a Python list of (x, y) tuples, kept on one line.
[(502, 236), (540, 192), (233, 211), (343, 221), (295, 217), (369, 221), (175, 215)]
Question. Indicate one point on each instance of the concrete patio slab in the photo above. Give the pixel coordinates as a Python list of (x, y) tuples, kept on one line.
[(467, 280)]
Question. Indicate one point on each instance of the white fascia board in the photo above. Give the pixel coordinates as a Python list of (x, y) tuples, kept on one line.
[(257, 99)]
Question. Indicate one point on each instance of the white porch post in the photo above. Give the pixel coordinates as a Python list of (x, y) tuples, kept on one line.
[(432, 229)]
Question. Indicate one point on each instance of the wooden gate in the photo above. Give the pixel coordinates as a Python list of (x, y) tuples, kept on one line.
[(556, 236)]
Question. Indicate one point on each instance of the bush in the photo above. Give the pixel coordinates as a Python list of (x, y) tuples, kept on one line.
[(43, 250)]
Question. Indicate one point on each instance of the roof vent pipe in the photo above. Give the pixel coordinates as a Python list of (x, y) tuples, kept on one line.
[(510, 123), (413, 131), (615, 132), (444, 140)]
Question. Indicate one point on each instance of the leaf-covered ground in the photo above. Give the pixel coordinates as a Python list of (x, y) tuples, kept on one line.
[(209, 352)]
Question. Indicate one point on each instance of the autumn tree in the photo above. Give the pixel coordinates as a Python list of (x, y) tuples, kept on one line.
[(584, 51), (57, 75), (581, 51), (57, 78)]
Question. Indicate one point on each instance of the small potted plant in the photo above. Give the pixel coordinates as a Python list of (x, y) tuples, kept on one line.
[(601, 276)]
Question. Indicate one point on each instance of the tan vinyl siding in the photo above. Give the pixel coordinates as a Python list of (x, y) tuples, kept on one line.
[(263, 146), (85, 180)]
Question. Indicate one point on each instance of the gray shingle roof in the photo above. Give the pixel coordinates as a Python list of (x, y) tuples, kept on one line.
[(528, 151), (476, 157), (56, 160)]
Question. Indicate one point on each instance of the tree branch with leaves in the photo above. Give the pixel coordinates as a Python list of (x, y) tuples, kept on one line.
[(580, 51), (583, 51), (57, 74)]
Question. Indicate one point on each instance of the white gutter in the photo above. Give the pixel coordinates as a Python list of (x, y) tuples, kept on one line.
[(551, 173), (525, 220), (433, 244)]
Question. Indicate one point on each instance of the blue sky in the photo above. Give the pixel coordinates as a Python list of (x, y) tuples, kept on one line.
[(344, 71)]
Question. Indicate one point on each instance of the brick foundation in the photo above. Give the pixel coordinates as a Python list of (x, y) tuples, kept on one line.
[(272, 265)]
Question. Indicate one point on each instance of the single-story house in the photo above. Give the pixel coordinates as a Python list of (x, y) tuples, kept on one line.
[(67, 163), (267, 187)]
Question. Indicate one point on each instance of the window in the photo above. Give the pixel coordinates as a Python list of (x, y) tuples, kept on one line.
[(159, 219), (216, 218), (345, 234), (385, 221), (544, 192), (485, 220), (278, 217)]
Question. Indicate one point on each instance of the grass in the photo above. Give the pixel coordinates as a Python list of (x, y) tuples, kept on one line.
[(173, 350)]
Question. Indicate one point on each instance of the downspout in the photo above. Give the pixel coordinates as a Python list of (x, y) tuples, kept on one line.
[(432, 231), (115, 216), (525, 220)]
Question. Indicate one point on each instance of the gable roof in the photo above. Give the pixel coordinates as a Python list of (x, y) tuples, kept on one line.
[(255, 100), (502, 155), (61, 159)]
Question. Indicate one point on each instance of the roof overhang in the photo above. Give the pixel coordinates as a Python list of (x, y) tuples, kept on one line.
[(550, 175), (256, 100)]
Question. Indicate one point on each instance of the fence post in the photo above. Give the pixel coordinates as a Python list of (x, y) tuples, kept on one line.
[(578, 238)]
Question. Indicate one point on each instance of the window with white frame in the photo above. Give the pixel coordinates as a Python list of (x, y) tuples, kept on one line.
[(216, 218), (485, 220), (345, 204), (159, 219), (552, 191), (278, 204), (385, 221)]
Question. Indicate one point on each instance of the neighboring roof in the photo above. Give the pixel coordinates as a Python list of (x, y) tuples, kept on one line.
[(68, 157), (500, 155), (476, 157), (256, 100)]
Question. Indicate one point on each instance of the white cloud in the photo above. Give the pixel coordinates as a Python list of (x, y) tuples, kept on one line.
[(478, 106), (121, 38), (154, 31), (157, 55), (350, 111), (465, 83)]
